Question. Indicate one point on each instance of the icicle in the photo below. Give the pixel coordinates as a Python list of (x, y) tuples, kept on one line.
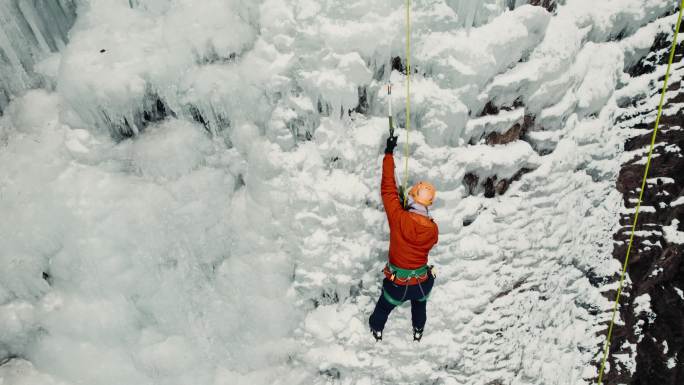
[(29, 32)]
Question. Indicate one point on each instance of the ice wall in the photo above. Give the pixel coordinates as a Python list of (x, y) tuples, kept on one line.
[(476, 13), (31, 30), (314, 60), (196, 200)]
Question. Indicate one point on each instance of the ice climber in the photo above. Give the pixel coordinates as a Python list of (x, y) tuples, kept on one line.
[(413, 232)]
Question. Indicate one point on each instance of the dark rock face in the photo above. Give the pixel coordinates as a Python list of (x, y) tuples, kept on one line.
[(655, 265), (493, 185), (470, 180), (512, 134)]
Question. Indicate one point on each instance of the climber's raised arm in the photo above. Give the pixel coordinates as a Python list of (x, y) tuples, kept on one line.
[(388, 185)]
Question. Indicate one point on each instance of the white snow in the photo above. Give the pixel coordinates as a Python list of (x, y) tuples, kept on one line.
[(627, 360), (671, 363), (22, 372), (679, 292), (672, 233), (240, 239), (479, 127), (642, 304), (644, 209), (663, 180), (677, 202)]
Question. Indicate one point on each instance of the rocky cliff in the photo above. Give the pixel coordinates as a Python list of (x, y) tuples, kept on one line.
[(652, 307)]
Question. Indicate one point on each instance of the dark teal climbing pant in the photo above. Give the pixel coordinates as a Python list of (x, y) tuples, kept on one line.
[(392, 295)]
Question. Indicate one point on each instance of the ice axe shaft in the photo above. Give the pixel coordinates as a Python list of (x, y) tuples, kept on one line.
[(389, 111)]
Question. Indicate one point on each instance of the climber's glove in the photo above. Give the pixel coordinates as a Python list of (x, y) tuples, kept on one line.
[(391, 144)]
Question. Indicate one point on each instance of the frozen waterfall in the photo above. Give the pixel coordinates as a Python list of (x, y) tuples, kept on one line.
[(189, 190)]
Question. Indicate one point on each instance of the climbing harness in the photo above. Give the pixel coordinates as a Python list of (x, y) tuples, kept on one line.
[(406, 278), (641, 194), (403, 188)]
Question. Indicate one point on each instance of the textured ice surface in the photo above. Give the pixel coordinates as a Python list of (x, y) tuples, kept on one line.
[(30, 32), (195, 202)]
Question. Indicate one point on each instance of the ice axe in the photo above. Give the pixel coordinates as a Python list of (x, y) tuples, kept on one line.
[(389, 111)]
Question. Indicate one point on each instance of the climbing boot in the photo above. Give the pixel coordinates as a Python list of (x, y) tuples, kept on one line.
[(417, 334), (377, 334)]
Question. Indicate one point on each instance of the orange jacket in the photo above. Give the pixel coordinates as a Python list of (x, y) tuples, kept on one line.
[(411, 235)]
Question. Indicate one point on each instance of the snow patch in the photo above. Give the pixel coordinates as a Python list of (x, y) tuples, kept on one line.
[(672, 233)]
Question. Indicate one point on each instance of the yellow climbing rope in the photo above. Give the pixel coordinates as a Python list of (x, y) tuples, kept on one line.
[(641, 194), (408, 96)]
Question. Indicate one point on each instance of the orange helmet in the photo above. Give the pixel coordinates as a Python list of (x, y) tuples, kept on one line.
[(423, 193)]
